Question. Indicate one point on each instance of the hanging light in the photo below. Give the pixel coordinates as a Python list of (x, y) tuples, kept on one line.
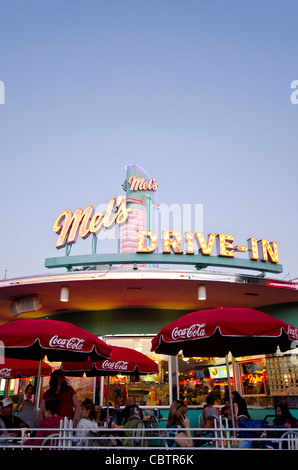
[(202, 293), (64, 294)]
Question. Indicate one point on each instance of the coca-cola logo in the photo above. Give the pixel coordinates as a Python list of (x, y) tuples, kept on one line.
[(75, 344), (193, 331), (5, 372), (119, 365), (293, 332)]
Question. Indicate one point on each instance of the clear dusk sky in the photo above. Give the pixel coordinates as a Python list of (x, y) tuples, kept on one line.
[(196, 92)]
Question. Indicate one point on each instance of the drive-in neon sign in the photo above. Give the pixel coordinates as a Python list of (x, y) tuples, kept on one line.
[(171, 243), (84, 223)]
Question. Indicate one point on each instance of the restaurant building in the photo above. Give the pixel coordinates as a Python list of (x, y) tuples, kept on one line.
[(157, 273)]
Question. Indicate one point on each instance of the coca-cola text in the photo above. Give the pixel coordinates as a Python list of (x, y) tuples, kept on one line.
[(67, 343), (193, 331)]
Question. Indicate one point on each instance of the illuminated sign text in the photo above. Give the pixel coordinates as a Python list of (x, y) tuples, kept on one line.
[(83, 223), (171, 243), (139, 184)]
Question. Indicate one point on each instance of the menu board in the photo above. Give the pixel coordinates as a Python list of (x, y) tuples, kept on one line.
[(220, 372)]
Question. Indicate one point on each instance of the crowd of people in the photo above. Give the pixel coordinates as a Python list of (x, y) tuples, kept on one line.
[(58, 402), (61, 401)]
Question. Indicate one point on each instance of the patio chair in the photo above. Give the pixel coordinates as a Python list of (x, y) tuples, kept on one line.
[(289, 440), (52, 441), (135, 432), (61, 438)]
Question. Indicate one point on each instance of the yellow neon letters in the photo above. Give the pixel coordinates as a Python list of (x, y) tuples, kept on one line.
[(68, 226)]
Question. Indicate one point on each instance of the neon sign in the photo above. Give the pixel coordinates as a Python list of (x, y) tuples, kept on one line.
[(171, 241), (84, 223), (139, 184), (254, 379)]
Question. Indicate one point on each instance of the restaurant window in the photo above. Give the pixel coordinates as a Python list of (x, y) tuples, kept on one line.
[(254, 377), (199, 375), (149, 389)]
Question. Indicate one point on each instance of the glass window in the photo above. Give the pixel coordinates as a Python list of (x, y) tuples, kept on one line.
[(254, 377), (283, 375), (199, 375), (150, 389)]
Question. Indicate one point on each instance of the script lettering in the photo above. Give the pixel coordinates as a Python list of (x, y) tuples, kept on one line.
[(68, 225), (119, 365), (194, 331), (67, 343), (5, 372)]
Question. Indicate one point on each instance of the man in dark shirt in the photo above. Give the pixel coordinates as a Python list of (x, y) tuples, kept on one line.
[(131, 409), (9, 420)]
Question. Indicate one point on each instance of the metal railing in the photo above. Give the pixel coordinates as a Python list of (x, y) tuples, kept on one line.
[(220, 437)]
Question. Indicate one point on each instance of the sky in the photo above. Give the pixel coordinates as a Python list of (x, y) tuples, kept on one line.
[(197, 93)]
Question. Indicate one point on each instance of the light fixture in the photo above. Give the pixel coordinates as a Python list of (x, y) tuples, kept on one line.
[(202, 293), (64, 294)]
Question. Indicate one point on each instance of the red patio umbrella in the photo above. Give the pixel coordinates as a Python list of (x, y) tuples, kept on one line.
[(34, 339), (216, 332), (124, 361), (21, 368)]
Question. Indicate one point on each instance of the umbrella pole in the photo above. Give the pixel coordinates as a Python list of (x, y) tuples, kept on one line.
[(108, 400), (230, 391), (37, 390)]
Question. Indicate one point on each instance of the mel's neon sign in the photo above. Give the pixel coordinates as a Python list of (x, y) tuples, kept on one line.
[(84, 223), (137, 183)]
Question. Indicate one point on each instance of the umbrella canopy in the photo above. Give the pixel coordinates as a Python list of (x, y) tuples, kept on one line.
[(123, 361), (216, 332), (20, 368), (34, 339)]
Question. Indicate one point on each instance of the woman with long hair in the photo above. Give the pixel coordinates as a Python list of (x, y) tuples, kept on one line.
[(28, 395), (87, 423), (178, 434), (239, 405), (60, 390), (283, 417)]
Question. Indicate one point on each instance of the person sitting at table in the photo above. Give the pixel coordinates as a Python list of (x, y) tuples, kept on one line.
[(208, 434), (178, 433), (204, 394), (87, 423), (131, 409), (283, 417), (28, 395), (27, 414), (210, 411), (115, 415), (215, 394), (51, 421), (9, 420), (226, 410)]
